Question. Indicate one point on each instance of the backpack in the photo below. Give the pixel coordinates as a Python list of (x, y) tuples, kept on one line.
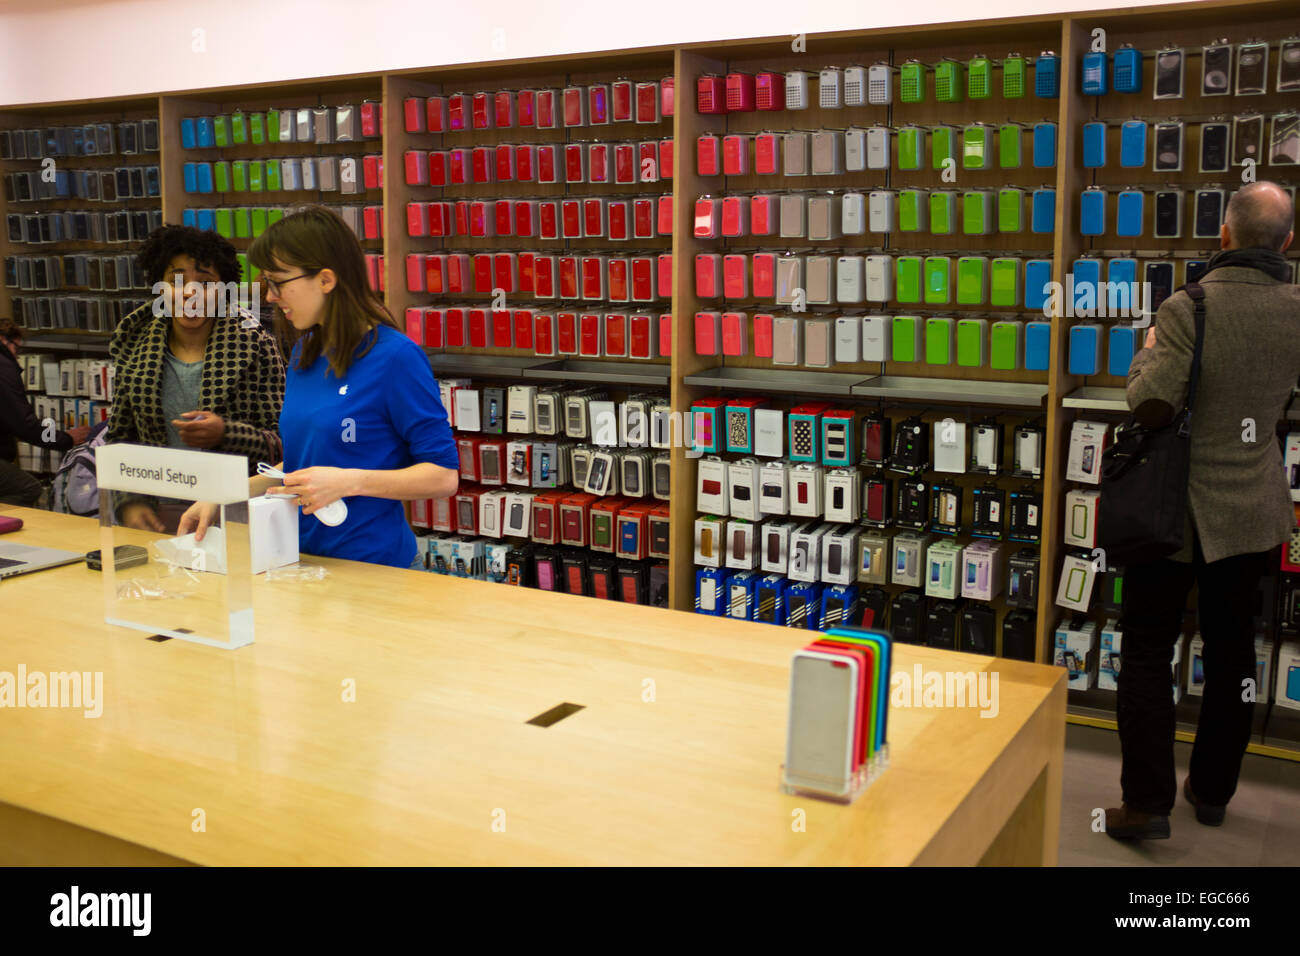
[(75, 489)]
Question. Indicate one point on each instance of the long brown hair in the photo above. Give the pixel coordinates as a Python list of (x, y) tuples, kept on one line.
[(315, 238)]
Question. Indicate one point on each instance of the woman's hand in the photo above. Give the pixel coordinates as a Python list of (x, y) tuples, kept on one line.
[(201, 429), (141, 517), (319, 486), (198, 518)]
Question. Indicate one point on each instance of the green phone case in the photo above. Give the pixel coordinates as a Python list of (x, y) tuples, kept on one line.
[(907, 278), (1004, 282), (943, 212), (979, 78), (274, 215), (221, 176), (911, 83), (1011, 210), (272, 175), (238, 128), (903, 338), (938, 341), (273, 126), (225, 222), (255, 176), (912, 206), (257, 128), (239, 175), (243, 223), (947, 82), (221, 130), (1004, 345), (976, 212), (972, 280), (879, 656), (1013, 77), (909, 147), (976, 148), (242, 259), (943, 146), (938, 280), (971, 334), (1009, 152), (259, 220)]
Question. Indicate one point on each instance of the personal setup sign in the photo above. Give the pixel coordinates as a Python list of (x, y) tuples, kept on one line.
[(181, 588)]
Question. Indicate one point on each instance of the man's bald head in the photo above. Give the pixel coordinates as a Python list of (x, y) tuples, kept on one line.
[(1259, 216)]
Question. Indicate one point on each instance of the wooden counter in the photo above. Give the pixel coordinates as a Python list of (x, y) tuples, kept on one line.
[(674, 759)]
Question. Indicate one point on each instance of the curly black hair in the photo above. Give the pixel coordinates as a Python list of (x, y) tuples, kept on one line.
[(207, 248)]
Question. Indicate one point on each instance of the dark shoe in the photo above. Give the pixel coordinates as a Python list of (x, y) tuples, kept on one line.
[(1206, 813), (1127, 824)]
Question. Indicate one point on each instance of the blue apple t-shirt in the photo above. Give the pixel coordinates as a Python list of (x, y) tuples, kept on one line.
[(385, 413)]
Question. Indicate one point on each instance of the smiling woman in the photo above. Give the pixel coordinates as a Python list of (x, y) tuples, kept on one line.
[(363, 419), (191, 371)]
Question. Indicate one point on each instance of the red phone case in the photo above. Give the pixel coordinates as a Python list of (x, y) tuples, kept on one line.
[(503, 217), (482, 272), (435, 114), (708, 155), (598, 104), (457, 328), (665, 334), (526, 107), (544, 333), (483, 164), (735, 276), (439, 167), (526, 266), (643, 218), (413, 117), (435, 273), (480, 329), (502, 329), (575, 163), (525, 217), (664, 278), (598, 163), (548, 167), (593, 277), (458, 275), (414, 327), (567, 268), (416, 167), (708, 274), (665, 159), (544, 285), (763, 335), (593, 218), (525, 163), (566, 333), (735, 155), (482, 111), (504, 108), (767, 154), (643, 279), (523, 319), (461, 207), (618, 213), (505, 265), (640, 345), (735, 340), (647, 102), (665, 218), (764, 275), (619, 288), (435, 328), (458, 167), (548, 219), (625, 163), (590, 335)]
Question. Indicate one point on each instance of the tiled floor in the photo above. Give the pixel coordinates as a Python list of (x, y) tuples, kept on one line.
[(1262, 827)]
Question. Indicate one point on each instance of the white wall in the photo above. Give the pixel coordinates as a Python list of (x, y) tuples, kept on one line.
[(73, 49)]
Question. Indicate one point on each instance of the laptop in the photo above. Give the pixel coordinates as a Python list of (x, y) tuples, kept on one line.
[(20, 559)]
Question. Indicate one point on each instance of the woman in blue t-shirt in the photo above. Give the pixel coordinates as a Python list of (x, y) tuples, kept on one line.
[(362, 419)]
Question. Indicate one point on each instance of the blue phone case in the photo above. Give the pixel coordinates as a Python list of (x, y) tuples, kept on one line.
[(1044, 148), (1293, 683), (188, 140), (190, 176), (189, 217), (1047, 76), (1085, 350), (1092, 212), (1094, 74), (1119, 353), (1038, 276), (203, 135), (1121, 276), (1094, 145), (207, 220), (1042, 211), (1087, 280), (1129, 211), (1038, 341), (1126, 70), (1133, 144), (204, 175)]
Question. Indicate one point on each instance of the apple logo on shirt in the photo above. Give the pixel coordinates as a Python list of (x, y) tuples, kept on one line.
[(343, 390)]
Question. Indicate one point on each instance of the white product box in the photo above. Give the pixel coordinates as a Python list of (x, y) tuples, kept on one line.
[(769, 432), (839, 555), (742, 547), (1087, 442), (711, 486), (843, 495), (467, 410), (1081, 517), (774, 553), (941, 571), (742, 489), (272, 533), (981, 570), (710, 541), (806, 486), (806, 553), (907, 565), (1078, 575), (774, 488)]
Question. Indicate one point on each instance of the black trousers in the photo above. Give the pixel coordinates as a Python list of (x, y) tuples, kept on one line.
[(1155, 596), (17, 487)]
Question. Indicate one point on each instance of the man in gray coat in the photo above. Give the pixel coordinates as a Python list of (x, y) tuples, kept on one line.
[(1240, 510)]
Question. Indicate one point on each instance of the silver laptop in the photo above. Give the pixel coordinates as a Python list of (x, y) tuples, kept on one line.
[(22, 558)]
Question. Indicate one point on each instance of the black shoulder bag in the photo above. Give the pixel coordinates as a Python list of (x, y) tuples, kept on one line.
[(1143, 506)]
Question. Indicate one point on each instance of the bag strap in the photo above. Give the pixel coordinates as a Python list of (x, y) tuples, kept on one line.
[(1197, 294)]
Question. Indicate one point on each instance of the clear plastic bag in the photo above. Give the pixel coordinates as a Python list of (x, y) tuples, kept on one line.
[(297, 572), (160, 580)]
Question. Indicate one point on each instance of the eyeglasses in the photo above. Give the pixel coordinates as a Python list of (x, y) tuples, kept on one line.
[(274, 287)]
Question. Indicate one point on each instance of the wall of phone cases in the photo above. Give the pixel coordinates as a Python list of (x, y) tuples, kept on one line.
[(880, 213), (562, 488), (540, 216), (79, 199), (69, 391), (245, 164), (926, 521), (1176, 123)]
